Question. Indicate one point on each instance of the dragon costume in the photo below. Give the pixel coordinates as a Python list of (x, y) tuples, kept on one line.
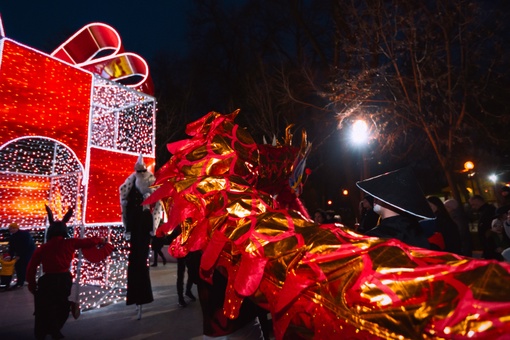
[(237, 202)]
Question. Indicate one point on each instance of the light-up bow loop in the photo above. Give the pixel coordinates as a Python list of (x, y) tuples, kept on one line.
[(97, 48)]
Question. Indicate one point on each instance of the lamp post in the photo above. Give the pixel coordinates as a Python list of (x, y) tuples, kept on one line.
[(468, 167), (360, 137), (494, 179)]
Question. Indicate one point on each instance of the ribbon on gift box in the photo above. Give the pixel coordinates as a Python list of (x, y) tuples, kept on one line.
[(97, 48)]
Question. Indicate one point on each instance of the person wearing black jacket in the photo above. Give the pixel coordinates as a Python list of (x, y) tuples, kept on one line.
[(22, 246), (369, 218), (446, 226), (189, 261), (486, 212), (400, 203)]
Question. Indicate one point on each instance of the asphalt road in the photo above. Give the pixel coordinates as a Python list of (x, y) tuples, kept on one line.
[(161, 319)]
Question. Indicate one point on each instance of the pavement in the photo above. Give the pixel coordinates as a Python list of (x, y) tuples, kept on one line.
[(161, 319)]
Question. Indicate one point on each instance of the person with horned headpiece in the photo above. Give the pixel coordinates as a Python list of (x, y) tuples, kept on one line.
[(51, 291)]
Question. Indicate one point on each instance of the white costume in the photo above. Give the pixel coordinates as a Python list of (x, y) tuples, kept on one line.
[(143, 180)]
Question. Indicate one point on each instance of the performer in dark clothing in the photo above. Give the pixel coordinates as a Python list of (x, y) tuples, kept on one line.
[(190, 261), (252, 322), (138, 222), (156, 245), (22, 246), (216, 324), (52, 290), (403, 228), (400, 202)]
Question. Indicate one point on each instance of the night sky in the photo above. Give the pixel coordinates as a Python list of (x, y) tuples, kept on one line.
[(145, 27)]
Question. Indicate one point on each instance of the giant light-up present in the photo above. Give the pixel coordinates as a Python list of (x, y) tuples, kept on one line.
[(71, 134)]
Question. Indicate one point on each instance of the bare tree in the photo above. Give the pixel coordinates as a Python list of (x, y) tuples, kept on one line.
[(430, 67), (258, 52), (175, 98), (429, 75)]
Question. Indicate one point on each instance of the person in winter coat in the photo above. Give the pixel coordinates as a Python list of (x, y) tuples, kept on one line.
[(7, 271), (497, 241), (446, 226), (21, 246), (461, 219), (485, 212)]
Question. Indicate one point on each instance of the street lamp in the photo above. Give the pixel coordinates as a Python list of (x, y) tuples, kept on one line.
[(359, 132), (468, 167), (493, 178), (360, 137)]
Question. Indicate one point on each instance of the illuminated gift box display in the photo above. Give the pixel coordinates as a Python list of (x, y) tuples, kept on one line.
[(71, 134)]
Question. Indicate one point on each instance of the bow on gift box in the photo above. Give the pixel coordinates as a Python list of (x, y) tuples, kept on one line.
[(97, 48)]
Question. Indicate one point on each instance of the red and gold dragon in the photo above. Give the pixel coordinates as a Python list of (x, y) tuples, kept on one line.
[(237, 201)]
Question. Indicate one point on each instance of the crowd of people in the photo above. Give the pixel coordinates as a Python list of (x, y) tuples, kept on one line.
[(401, 212), (394, 206)]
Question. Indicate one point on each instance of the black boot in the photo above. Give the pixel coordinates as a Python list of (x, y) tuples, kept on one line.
[(181, 302), (190, 295)]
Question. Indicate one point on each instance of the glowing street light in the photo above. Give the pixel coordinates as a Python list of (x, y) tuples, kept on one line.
[(468, 166), (359, 132), (493, 178), (360, 136)]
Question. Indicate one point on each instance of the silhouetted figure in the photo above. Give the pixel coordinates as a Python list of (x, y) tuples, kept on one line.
[(138, 222), (22, 246), (157, 246), (486, 214), (319, 216), (369, 218), (252, 322), (446, 226), (189, 261), (497, 241), (460, 218), (400, 202)]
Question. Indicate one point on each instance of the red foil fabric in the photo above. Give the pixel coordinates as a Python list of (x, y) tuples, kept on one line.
[(318, 282), (98, 254)]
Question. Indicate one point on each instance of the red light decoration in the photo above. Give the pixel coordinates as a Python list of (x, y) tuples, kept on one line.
[(42, 97), (70, 137), (84, 47)]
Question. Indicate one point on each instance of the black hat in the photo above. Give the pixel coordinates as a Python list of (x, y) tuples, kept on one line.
[(369, 199), (399, 189), (501, 211)]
